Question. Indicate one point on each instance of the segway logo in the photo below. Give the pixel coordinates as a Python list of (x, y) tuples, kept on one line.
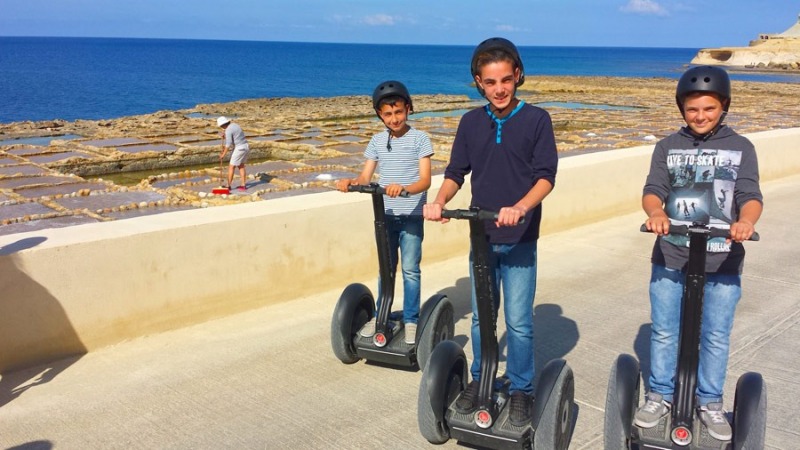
[(681, 436), (483, 419), (379, 340)]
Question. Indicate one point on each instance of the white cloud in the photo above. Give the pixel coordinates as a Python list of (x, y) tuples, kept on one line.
[(645, 7), (506, 28), (380, 20)]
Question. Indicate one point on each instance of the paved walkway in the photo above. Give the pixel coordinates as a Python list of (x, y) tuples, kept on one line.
[(268, 378)]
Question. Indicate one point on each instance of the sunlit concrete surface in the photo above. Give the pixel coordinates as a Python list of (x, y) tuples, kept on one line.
[(267, 378)]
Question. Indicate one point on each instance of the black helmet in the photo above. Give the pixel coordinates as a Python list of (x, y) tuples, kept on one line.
[(497, 43), (704, 79), (389, 89)]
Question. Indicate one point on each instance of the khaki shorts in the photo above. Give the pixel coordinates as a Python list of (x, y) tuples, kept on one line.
[(239, 155)]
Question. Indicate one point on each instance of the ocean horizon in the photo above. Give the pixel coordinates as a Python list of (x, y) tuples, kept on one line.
[(71, 78)]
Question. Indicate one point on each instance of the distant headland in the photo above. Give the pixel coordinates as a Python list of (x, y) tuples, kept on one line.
[(779, 51)]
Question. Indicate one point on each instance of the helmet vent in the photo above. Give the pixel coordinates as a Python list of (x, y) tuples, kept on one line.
[(707, 79)]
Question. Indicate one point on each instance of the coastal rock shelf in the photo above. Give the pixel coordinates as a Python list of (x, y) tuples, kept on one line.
[(57, 173)]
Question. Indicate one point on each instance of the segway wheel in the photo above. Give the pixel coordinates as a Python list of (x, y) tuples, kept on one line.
[(354, 308), (440, 385), (439, 327), (622, 397), (750, 412), (555, 424)]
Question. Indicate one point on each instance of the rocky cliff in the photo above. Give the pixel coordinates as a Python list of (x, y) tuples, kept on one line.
[(770, 52)]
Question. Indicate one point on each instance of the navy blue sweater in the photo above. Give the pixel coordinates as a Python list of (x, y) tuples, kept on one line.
[(506, 161)]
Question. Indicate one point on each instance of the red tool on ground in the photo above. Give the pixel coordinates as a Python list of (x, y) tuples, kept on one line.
[(222, 189)]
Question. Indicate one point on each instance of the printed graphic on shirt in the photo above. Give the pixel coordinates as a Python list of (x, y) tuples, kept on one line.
[(702, 191)]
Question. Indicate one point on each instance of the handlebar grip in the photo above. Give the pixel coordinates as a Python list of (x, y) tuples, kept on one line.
[(372, 189), (683, 230), (470, 214)]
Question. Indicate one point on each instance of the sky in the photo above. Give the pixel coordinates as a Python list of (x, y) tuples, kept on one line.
[(604, 23)]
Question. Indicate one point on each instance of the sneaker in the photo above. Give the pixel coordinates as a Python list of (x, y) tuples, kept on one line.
[(368, 330), (242, 188), (649, 414), (713, 417), (467, 401), (411, 333), (521, 409)]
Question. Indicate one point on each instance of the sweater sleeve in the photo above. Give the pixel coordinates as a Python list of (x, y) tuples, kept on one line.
[(657, 182), (747, 185), (459, 165), (545, 154)]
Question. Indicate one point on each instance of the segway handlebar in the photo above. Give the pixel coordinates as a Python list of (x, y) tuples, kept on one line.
[(683, 230), (372, 188), (470, 214)]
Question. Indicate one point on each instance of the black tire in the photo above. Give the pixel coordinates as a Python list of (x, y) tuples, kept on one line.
[(354, 308), (439, 327), (622, 397), (438, 388), (555, 426), (750, 412)]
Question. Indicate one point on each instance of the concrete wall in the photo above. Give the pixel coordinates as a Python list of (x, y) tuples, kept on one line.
[(72, 290)]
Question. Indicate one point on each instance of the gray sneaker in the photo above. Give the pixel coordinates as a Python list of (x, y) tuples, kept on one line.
[(713, 417), (411, 333), (649, 414), (368, 330)]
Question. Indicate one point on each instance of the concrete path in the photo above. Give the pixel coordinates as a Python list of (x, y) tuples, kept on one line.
[(268, 378)]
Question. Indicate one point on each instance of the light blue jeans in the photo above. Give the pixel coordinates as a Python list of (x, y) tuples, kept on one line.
[(515, 271), (406, 234), (722, 293)]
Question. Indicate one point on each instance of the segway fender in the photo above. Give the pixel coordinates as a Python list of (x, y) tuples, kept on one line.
[(354, 295), (354, 308), (446, 357), (545, 386), (428, 307), (627, 380), (750, 411)]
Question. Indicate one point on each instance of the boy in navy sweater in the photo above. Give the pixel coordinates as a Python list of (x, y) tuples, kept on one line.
[(509, 147)]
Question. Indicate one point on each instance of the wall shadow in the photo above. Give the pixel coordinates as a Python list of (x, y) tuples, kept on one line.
[(34, 329)]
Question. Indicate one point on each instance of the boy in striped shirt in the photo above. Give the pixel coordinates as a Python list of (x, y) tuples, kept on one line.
[(402, 156)]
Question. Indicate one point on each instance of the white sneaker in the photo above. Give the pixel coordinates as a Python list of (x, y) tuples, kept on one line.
[(713, 417), (368, 330), (649, 414), (411, 333)]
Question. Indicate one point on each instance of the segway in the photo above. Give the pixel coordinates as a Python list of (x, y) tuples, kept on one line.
[(447, 373), (682, 428), (356, 306)]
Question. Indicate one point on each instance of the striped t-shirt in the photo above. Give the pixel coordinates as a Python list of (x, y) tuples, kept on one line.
[(400, 165)]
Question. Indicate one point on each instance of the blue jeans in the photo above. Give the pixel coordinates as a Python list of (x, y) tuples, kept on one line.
[(515, 271), (406, 234), (722, 293)]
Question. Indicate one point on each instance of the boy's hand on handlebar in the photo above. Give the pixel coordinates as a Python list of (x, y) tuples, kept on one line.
[(433, 211), (393, 190), (658, 223), (741, 231), (509, 216), (342, 184)]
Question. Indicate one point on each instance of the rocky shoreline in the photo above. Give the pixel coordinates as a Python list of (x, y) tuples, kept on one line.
[(60, 173)]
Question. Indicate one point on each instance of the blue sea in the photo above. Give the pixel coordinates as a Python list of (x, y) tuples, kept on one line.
[(99, 78)]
